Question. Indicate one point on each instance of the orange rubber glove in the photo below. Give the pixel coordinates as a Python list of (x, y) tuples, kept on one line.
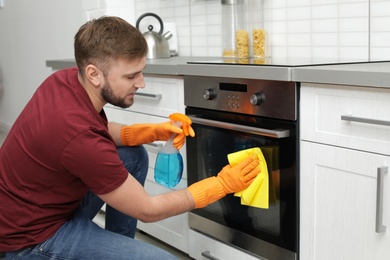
[(146, 133), (185, 122), (229, 180)]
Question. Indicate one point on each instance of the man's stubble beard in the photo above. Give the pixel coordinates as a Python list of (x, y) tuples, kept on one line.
[(109, 96)]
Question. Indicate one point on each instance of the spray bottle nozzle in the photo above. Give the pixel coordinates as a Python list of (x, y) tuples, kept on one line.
[(181, 120)]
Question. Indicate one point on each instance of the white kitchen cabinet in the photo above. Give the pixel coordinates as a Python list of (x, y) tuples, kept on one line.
[(162, 96), (204, 247), (338, 204), (323, 106), (339, 165)]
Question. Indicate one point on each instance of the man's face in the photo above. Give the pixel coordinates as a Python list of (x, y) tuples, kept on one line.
[(122, 81)]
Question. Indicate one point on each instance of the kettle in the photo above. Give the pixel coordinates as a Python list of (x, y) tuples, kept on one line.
[(158, 46)]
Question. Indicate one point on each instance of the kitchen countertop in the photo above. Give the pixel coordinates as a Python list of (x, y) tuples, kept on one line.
[(179, 66), (375, 74)]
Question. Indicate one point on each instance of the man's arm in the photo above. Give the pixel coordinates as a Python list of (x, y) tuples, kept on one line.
[(131, 198), (115, 130)]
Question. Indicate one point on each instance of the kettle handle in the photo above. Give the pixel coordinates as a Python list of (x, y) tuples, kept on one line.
[(154, 15)]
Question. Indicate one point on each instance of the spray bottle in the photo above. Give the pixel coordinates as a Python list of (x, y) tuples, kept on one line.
[(169, 163)]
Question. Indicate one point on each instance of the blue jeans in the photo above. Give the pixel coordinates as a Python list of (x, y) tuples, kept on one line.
[(81, 238)]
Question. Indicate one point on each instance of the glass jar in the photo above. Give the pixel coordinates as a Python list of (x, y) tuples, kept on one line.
[(258, 33), (233, 29)]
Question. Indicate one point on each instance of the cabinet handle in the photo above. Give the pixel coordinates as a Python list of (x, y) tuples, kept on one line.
[(379, 227), (364, 120), (148, 95), (208, 255)]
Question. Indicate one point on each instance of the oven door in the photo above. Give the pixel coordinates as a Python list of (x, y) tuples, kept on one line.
[(268, 233)]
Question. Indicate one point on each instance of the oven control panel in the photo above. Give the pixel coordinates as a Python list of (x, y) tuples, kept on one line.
[(276, 99)]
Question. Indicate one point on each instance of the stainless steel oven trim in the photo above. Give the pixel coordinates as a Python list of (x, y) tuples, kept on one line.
[(275, 133), (251, 245)]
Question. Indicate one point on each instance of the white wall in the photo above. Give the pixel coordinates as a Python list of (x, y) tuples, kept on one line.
[(32, 32)]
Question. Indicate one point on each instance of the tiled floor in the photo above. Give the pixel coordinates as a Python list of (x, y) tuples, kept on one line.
[(139, 235)]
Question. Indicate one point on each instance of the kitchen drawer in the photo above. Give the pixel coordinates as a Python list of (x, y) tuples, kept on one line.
[(126, 117), (323, 106), (161, 96), (123, 116), (204, 247)]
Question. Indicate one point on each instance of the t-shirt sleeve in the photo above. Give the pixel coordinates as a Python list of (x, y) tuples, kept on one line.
[(92, 157)]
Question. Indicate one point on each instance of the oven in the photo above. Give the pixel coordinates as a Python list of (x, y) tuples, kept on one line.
[(228, 115)]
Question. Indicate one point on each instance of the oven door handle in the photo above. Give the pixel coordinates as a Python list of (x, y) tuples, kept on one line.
[(275, 133)]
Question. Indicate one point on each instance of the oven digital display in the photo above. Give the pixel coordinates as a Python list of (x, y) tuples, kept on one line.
[(233, 87)]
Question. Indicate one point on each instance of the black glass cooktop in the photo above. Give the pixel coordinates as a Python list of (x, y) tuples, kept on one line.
[(280, 62)]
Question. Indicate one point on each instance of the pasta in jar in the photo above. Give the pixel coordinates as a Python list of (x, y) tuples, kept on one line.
[(258, 42), (229, 53), (242, 44)]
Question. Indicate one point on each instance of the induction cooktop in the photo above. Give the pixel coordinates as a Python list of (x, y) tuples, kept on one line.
[(280, 62)]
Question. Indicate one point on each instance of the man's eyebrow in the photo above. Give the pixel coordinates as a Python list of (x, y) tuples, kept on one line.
[(136, 72), (140, 70)]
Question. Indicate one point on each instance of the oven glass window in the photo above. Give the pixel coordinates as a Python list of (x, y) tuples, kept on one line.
[(207, 155)]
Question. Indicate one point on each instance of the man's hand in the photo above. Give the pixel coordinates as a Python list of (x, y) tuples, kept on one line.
[(239, 177), (229, 179), (165, 131)]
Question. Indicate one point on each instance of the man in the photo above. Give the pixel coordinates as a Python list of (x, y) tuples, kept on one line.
[(62, 160)]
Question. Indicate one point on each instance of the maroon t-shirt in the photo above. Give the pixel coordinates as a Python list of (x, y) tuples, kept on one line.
[(58, 149)]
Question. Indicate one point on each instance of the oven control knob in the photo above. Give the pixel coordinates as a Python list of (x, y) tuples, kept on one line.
[(209, 94), (257, 99)]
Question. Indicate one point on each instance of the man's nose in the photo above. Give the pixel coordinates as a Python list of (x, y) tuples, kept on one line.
[(140, 82)]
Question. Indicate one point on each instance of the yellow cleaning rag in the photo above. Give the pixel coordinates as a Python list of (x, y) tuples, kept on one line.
[(256, 195)]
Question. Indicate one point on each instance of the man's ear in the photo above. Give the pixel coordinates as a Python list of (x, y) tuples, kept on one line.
[(93, 74)]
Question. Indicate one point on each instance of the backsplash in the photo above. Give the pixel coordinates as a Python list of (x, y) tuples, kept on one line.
[(339, 30)]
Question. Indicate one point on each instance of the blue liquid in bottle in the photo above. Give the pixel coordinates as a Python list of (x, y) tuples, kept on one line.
[(168, 169)]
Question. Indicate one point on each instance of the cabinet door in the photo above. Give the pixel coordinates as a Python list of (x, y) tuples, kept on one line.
[(338, 194)]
